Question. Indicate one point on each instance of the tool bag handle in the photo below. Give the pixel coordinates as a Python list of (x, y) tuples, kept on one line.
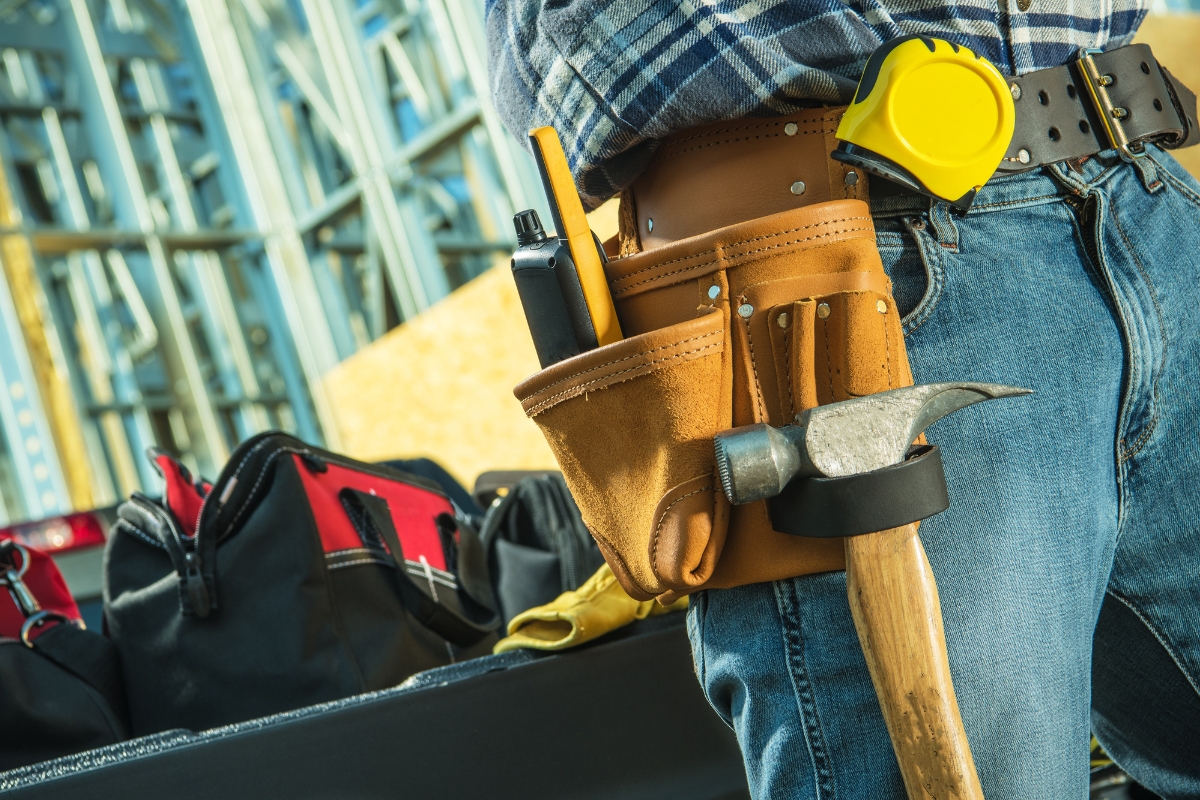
[(370, 514)]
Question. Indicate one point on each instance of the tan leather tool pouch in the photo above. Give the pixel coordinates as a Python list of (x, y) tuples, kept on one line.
[(754, 322)]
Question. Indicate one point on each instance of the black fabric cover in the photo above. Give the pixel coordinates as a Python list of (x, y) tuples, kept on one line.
[(61, 696), (537, 544), (247, 620)]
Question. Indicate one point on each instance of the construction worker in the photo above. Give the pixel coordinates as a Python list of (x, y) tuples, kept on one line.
[(1067, 562)]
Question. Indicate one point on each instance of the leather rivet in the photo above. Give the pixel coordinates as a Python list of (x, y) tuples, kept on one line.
[(881, 306), (798, 187), (649, 224), (790, 129), (1016, 91), (823, 310), (745, 310), (782, 320), (714, 292), (851, 178), (1023, 156)]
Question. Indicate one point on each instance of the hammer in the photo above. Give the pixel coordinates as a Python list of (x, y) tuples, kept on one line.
[(893, 595)]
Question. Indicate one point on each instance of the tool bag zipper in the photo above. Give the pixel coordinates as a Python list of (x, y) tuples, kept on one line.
[(233, 492)]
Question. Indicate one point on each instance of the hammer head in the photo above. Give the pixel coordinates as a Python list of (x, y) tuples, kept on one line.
[(853, 436)]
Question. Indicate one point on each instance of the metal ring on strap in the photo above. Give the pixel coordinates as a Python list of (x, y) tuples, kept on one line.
[(20, 548), (38, 620)]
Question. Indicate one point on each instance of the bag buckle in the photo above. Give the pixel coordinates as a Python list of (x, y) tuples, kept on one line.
[(12, 575), (1111, 115)]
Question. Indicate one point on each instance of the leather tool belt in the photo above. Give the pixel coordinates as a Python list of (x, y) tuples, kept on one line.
[(729, 172), (749, 288)]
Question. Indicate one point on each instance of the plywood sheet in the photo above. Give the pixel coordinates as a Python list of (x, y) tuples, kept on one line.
[(441, 386)]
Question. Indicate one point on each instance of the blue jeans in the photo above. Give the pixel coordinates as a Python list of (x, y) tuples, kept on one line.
[(1069, 561)]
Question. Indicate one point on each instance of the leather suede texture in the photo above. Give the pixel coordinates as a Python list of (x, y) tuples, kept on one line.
[(752, 322)]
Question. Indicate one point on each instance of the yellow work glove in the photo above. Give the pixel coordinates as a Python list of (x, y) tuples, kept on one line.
[(592, 610)]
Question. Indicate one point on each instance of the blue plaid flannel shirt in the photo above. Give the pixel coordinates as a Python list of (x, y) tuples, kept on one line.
[(614, 77)]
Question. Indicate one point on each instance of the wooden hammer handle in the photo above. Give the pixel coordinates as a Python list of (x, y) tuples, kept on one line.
[(894, 600)]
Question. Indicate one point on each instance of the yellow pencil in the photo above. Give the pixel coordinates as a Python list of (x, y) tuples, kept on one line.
[(572, 226)]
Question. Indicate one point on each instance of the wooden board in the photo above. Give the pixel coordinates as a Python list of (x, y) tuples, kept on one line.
[(441, 386)]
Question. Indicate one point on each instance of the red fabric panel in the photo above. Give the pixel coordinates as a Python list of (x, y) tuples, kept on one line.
[(182, 496), (413, 511), (46, 584)]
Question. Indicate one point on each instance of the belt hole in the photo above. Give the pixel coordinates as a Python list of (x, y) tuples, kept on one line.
[(1055, 134), (1083, 126), (1157, 104), (1145, 68), (1043, 98), (1071, 90)]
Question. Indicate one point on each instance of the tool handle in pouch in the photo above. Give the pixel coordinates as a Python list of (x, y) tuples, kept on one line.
[(894, 601), (572, 227)]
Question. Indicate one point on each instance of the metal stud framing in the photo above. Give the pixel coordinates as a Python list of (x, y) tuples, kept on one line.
[(219, 201)]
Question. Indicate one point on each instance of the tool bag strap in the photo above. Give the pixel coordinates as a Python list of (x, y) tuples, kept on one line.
[(92, 659), (371, 515)]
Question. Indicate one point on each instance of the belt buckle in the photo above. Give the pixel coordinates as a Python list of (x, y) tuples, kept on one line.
[(1110, 114)]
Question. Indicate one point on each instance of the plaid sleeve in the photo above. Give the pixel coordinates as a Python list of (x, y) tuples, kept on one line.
[(616, 76)]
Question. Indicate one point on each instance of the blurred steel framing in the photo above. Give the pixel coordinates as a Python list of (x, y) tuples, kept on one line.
[(207, 204)]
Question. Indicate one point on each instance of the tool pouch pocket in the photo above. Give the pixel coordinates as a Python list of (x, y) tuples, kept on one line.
[(750, 323), (631, 425)]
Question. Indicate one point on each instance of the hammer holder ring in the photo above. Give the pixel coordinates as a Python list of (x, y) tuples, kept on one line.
[(868, 502)]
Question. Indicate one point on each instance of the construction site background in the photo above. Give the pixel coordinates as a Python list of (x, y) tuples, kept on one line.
[(219, 217)]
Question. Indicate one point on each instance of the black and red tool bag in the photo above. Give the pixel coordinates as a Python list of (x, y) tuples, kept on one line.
[(299, 576), (60, 685)]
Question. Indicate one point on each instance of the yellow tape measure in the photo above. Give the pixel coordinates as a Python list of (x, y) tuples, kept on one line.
[(931, 115)]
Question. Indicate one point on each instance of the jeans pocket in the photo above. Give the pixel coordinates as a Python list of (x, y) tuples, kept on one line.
[(697, 614), (1176, 175), (913, 259)]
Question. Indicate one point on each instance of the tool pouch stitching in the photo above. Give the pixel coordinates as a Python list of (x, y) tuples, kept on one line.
[(631, 424)]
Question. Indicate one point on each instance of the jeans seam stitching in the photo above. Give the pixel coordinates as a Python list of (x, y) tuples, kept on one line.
[(1139, 443), (935, 276), (806, 705), (1098, 269), (1182, 187), (1155, 633), (1014, 202), (1119, 312), (1158, 312)]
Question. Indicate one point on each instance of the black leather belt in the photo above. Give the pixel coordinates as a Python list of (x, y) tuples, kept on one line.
[(1120, 99)]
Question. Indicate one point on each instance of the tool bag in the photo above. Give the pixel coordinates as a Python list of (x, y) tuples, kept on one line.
[(749, 323), (60, 685), (537, 544), (299, 576)]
